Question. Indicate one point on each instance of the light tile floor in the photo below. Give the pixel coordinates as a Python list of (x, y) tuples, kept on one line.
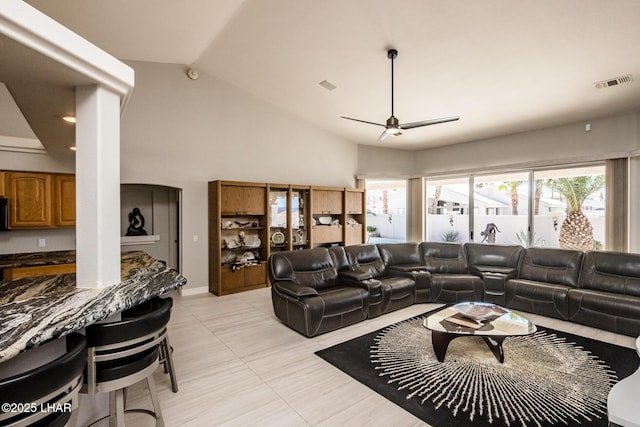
[(238, 365)]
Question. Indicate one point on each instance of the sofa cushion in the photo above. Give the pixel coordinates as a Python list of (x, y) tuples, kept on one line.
[(443, 257), (496, 258), (549, 265), (616, 272), (339, 257), (547, 299), (397, 292), (401, 256), (365, 258), (453, 288), (604, 310), (312, 268)]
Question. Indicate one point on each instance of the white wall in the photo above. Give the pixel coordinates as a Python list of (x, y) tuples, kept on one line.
[(381, 162), (609, 138), (183, 133)]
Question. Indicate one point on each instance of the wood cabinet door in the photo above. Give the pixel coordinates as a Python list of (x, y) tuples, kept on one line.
[(29, 199), (3, 188), (353, 235), (255, 275), (231, 199), (327, 234), (319, 201), (327, 202), (334, 202), (255, 200), (354, 201), (65, 200)]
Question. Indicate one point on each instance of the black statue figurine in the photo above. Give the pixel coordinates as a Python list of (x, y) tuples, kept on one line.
[(136, 224)]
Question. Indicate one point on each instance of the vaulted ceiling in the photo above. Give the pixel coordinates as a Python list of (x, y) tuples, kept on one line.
[(503, 66)]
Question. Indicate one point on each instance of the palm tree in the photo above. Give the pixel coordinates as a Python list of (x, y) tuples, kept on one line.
[(538, 196), (512, 188), (576, 231), (436, 199)]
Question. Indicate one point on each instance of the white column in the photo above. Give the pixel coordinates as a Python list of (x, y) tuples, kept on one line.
[(97, 187)]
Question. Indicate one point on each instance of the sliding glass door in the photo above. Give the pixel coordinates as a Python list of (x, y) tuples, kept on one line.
[(501, 208), (560, 207), (570, 207), (447, 207)]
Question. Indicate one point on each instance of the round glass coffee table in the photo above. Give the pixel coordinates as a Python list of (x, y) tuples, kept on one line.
[(489, 321)]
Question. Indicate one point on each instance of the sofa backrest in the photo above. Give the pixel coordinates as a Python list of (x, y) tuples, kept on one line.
[(339, 258), (617, 272), (444, 257), (308, 267), (365, 258), (479, 254), (399, 253), (550, 265)]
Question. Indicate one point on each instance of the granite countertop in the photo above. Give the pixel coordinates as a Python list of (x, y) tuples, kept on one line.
[(34, 310), (37, 258)]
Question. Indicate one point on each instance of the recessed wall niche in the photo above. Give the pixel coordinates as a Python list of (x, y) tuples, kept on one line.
[(159, 206)]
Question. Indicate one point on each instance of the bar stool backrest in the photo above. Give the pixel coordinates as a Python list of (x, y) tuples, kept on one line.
[(53, 384), (124, 352)]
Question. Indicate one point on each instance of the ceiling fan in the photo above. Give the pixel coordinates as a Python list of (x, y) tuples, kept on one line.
[(393, 126)]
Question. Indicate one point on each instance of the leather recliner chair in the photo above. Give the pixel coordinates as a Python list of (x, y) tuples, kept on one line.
[(403, 260), (308, 295), (545, 277), (495, 264), (398, 291), (608, 293), (450, 278)]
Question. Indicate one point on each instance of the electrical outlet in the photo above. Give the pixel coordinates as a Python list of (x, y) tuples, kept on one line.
[(42, 243), (195, 238)]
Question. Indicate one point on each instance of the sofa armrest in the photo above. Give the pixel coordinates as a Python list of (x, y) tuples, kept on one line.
[(481, 270), (294, 290), (406, 270), (357, 275)]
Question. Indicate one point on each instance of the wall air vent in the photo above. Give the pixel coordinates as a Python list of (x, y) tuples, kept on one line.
[(614, 82)]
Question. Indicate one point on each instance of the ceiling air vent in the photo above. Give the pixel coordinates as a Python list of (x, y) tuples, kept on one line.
[(327, 85), (614, 82)]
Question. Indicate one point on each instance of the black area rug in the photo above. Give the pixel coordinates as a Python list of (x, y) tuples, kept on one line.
[(548, 378)]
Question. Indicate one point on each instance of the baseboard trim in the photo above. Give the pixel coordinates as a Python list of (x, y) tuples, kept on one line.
[(194, 291)]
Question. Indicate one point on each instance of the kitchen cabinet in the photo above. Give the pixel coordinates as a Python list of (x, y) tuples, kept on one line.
[(64, 200), (29, 199), (3, 189), (40, 200)]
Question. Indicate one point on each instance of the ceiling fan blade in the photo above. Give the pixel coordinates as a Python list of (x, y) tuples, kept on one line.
[(362, 121), (428, 122), (383, 135)]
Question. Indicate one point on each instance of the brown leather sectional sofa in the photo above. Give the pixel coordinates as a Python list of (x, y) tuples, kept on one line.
[(323, 289)]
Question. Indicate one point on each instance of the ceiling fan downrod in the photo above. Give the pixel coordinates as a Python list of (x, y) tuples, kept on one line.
[(392, 54)]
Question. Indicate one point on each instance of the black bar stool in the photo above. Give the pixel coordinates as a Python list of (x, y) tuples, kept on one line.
[(50, 390), (125, 352), (166, 351)]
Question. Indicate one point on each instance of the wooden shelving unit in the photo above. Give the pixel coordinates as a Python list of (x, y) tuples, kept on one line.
[(255, 220)]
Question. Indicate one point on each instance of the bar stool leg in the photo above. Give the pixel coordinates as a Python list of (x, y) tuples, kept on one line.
[(168, 363), (154, 400), (119, 398)]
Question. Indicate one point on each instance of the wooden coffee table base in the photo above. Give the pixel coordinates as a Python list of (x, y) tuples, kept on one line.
[(441, 340)]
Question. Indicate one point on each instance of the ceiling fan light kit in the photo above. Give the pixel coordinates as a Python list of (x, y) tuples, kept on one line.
[(393, 125)]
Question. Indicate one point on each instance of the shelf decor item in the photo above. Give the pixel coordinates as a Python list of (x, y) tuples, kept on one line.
[(277, 238)]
